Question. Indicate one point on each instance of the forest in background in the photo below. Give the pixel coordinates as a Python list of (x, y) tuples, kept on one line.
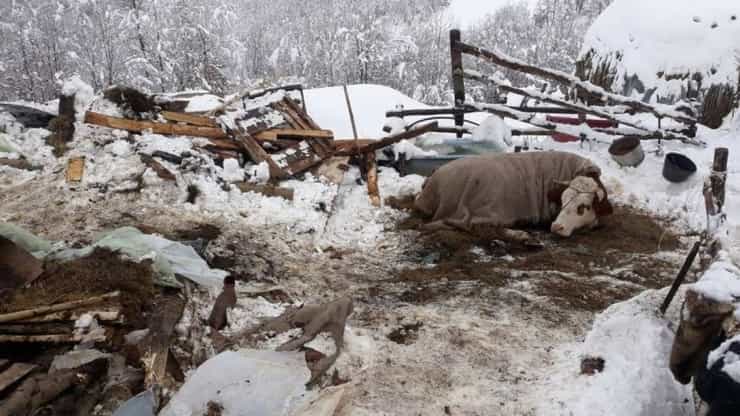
[(175, 45)]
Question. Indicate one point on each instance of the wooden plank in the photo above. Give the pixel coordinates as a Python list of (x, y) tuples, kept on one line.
[(75, 169), (273, 134), (167, 129), (15, 373), (42, 339), (387, 141), (266, 189), (258, 154), (105, 315), (190, 119), (372, 179), (225, 144), (43, 310), (162, 326), (303, 115)]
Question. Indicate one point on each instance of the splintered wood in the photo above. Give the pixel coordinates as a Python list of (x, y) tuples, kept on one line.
[(75, 169)]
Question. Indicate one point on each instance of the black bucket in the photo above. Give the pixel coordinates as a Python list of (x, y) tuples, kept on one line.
[(677, 167)]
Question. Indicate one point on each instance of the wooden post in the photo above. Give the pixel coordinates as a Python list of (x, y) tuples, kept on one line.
[(351, 113), (719, 176), (458, 80), (680, 277)]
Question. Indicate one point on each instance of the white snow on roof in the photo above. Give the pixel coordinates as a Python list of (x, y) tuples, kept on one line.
[(672, 36)]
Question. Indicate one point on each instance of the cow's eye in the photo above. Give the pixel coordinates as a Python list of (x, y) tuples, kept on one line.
[(582, 209)]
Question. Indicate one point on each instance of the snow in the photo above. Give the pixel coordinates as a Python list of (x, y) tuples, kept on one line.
[(635, 344), (84, 94), (232, 172), (721, 282), (205, 102), (670, 36), (495, 130)]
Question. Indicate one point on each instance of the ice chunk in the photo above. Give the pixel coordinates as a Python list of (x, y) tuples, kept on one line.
[(493, 129), (232, 171)]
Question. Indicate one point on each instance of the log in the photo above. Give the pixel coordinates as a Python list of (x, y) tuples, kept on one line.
[(372, 179), (266, 189), (274, 134), (584, 87), (15, 373), (191, 119), (43, 310), (351, 113), (167, 129)]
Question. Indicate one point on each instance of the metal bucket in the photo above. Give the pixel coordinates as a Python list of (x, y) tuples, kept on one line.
[(677, 167), (627, 151)]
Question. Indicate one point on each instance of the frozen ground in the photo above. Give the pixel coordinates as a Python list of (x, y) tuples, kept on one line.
[(486, 345)]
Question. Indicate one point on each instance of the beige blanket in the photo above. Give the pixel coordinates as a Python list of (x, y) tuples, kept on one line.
[(505, 189)]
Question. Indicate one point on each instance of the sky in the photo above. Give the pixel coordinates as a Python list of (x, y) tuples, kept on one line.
[(468, 12)]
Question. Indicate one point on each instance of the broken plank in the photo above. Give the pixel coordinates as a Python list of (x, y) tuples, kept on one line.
[(372, 179), (298, 111), (297, 133), (162, 326), (266, 189), (168, 129), (258, 154), (374, 145), (225, 144), (111, 315), (15, 373), (190, 119), (43, 310)]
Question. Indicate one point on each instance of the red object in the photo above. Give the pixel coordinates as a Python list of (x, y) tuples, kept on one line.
[(574, 121)]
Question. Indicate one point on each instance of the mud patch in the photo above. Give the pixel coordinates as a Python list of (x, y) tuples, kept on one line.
[(582, 294)]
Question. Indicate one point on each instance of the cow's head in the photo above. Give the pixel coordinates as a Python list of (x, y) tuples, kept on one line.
[(583, 200)]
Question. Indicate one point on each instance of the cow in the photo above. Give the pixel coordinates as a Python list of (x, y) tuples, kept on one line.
[(508, 190)]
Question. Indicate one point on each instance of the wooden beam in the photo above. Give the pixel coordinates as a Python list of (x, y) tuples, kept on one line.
[(190, 119), (372, 179), (162, 326), (258, 154), (274, 134), (13, 374), (43, 310), (373, 145), (167, 129), (719, 177)]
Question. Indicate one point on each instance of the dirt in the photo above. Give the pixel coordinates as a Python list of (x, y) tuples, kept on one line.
[(592, 365), (214, 409), (101, 272), (406, 334), (588, 271)]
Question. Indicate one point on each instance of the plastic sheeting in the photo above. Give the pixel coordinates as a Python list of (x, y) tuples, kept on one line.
[(143, 404), (246, 383), (38, 247)]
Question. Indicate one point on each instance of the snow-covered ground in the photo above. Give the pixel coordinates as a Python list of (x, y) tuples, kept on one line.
[(481, 350)]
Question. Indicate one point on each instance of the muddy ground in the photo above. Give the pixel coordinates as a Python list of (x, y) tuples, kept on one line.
[(443, 324)]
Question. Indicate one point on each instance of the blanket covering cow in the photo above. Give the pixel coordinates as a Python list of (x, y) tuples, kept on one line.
[(503, 190)]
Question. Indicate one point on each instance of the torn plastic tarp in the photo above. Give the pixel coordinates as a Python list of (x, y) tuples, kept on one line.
[(38, 247), (245, 383), (169, 258)]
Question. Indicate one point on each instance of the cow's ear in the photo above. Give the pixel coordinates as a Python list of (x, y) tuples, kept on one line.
[(555, 195), (603, 207)]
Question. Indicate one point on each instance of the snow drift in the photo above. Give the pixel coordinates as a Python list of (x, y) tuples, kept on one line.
[(666, 51)]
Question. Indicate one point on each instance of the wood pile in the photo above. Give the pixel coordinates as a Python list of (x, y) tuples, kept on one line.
[(279, 133)]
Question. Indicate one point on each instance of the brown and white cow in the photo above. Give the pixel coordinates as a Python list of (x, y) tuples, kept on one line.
[(514, 189)]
